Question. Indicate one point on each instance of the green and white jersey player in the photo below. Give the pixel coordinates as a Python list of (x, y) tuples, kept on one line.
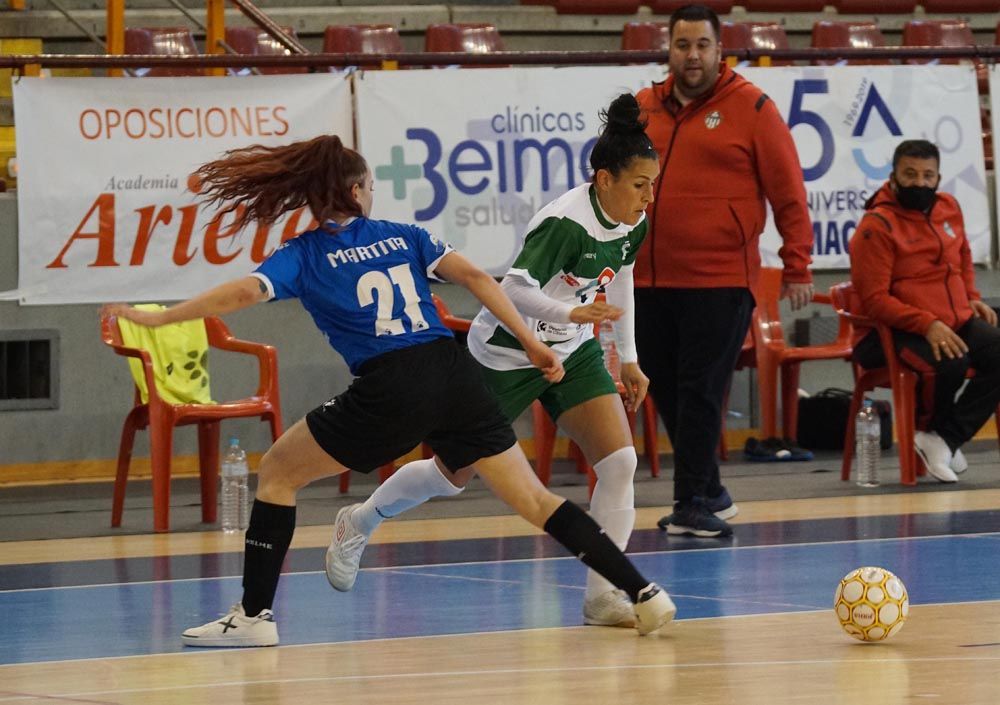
[(581, 244)]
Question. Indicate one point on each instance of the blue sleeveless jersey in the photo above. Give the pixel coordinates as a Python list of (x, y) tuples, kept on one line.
[(365, 285)]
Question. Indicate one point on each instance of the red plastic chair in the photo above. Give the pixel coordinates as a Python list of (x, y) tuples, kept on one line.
[(172, 41), (952, 6), (362, 39), (895, 375), (596, 7), (853, 35), (944, 33), (646, 36), (666, 7), (473, 38), (875, 7), (161, 417), (755, 35), (776, 360), (785, 5), (254, 41)]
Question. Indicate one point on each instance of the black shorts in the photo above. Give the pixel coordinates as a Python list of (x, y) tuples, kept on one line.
[(432, 392)]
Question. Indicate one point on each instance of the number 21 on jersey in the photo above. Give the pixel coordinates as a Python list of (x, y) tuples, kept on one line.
[(378, 288)]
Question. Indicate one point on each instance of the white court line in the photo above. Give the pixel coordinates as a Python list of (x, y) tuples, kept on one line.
[(195, 652), (510, 672), (407, 568)]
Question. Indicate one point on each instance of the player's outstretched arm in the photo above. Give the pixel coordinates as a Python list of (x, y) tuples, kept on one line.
[(225, 298), (457, 269)]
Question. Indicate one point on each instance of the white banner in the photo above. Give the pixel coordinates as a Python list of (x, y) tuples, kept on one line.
[(846, 122), (105, 208), (471, 154), (472, 160)]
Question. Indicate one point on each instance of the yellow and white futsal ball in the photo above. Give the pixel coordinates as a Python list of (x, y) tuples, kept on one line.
[(871, 604)]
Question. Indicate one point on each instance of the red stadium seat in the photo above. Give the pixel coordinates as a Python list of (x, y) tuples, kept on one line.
[(254, 41), (172, 41), (473, 38), (755, 35), (872, 7), (646, 36), (856, 35), (362, 39), (596, 7), (952, 6), (666, 7), (943, 33), (785, 5)]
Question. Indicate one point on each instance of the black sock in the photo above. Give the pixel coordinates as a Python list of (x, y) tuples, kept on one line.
[(270, 532), (574, 529)]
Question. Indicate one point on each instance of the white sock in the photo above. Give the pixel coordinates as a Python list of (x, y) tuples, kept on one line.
[(613, 507), (411, 485)]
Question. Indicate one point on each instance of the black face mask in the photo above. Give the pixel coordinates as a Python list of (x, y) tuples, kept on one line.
[(916, 198)]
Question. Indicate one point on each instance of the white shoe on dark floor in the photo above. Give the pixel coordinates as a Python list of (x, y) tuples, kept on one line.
[(958, 462), (936, 455)]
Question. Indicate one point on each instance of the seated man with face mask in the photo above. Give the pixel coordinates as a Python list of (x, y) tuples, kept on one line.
[(912, 268)]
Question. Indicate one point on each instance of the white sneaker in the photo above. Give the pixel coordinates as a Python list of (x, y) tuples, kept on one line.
[(343, 557), (958, 462), (653, 610), (235, 629), (609, 609), (936, 455)]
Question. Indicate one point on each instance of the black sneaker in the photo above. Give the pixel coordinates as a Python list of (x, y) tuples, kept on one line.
[(693, 518)]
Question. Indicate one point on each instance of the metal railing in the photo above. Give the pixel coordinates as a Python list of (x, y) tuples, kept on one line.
[(503, 58)]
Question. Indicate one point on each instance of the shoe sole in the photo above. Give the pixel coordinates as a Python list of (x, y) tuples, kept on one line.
[(728, 513), (699, 533), (930, 468), (226, 643), (624, 624)]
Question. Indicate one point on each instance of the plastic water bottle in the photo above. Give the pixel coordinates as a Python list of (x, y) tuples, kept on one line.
[(235, 493), (867, 434), (606, 337)]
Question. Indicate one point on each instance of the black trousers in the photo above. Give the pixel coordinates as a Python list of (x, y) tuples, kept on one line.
[(688, 341), (955, 420)]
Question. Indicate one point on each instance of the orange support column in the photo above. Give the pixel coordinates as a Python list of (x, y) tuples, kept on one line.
[(215, 33), (115, 31)]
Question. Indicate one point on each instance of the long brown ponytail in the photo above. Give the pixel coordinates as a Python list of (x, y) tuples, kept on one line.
[(268, 181)]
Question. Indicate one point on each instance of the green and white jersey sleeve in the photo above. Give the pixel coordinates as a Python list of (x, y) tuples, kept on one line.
[(571, 252)]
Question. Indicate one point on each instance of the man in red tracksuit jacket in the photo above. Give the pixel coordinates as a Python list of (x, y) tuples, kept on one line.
[(723, 149), (912, 268)]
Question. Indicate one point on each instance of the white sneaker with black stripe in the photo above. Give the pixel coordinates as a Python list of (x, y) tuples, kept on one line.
[(235, 629)]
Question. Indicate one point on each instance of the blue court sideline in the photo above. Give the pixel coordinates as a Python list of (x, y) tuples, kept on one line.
[(433, 588)]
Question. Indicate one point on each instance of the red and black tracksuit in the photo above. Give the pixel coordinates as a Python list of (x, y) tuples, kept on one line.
[(910, 269), (721, 156)]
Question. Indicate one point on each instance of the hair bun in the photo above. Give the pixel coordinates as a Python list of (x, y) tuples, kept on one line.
[(622, 115)]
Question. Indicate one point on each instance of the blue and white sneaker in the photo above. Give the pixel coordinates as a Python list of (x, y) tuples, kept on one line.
[(723, 505)]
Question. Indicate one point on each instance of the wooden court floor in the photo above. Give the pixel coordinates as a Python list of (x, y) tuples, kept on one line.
[(487, 611)]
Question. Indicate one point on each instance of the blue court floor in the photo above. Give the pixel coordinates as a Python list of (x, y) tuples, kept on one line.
[(125, 607)]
